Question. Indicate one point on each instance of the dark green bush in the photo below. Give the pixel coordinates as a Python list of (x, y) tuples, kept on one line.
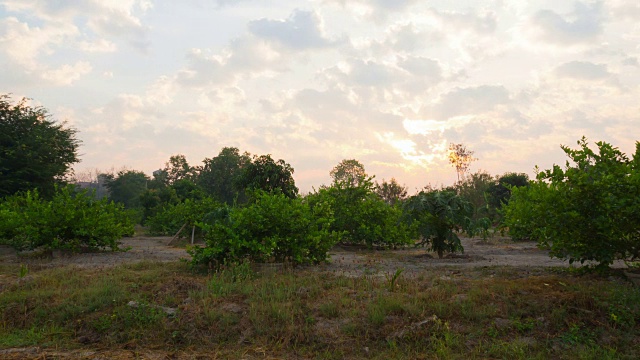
[(439, 215), (271, 227), (71, 220), (362, 216), (590, 211)]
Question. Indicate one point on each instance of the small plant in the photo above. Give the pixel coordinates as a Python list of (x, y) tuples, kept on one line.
[(392, 280), (24, 270)]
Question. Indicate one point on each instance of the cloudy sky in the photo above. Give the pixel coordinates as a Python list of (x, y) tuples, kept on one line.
[(388, 82)]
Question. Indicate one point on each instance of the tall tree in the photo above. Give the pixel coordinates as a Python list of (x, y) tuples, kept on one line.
[(127, 187), (461, 158), (177, 168), (391, 192), (35, 151), (349, 171), (264, 173), (219, 174)]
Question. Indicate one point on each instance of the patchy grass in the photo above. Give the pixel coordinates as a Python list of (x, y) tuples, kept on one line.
[(442, 313)]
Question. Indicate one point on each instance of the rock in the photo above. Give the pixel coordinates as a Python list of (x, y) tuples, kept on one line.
[(232, 307), (501, 323)]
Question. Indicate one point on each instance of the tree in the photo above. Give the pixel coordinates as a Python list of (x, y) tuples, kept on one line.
[(264, 173), (590, 211), (439, 215), (391, 192), (461, 158), (127, 187), (362, 216), (35, 151), (219, 174), (500, 192), (474, 189), (177, 168), (350, 172)]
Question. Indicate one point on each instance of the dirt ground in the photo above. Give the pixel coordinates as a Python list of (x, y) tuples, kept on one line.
[(349, 261)]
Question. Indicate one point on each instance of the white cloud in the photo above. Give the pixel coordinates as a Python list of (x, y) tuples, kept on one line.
[(67, 74), (583, 24), (470, 100), (302, 30), (583, 70)]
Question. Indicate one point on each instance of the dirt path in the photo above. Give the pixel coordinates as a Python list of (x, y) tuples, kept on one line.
[(346, 261)]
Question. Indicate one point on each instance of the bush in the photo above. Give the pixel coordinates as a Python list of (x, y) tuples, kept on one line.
[(362, 216), (438, 215), (171, 217), (71, 220), (590, 211), (271, 227)]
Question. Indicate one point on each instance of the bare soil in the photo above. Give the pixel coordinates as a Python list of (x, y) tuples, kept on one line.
[(349, 261)]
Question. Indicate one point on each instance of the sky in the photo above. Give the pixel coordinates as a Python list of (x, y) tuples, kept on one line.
[(390, 83)]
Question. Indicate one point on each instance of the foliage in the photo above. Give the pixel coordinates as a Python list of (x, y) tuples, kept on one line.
[(473, 188), (264, 173), (362, 216), (170, 217), (177, 169), (590, 211), (350, 172), (272, 227), (391, 192), (35, 151), (461, 158), (71, 220), (438, 215), (500, 192), (127, 187), (218, 175)]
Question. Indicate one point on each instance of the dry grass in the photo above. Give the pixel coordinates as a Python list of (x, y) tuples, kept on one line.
[(444, 313)]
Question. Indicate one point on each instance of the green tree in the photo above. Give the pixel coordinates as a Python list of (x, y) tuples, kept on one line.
[(273, 227), (350, 172), (439, 215), (127, 187), (219, 174), (71, 220), (264, 173), (474, 188), (35, 151), (588, 211), (391, 192), (362, 216), (178, 168), (500, 192)]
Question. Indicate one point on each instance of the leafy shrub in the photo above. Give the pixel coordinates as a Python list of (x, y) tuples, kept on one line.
[(171, 217), (70, 220), (271, 227), (438, 215), (362, 216), (588, 211)]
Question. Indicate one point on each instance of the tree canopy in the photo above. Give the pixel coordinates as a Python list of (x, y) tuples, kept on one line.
[(264, 173), (218, 175), (349, 171), (36, 152)]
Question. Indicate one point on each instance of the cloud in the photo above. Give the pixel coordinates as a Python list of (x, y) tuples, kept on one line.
[(583, 24), (583, 70), (111, 19), (302, 30), (67, 74), (483, 23), (470, 100)]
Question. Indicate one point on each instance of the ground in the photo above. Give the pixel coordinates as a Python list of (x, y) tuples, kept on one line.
[(343, 260)]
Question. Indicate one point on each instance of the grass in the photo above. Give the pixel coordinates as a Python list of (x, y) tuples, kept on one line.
[(308, 314)]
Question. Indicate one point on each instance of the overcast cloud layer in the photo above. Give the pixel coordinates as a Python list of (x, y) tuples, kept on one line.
[(390, 83)]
